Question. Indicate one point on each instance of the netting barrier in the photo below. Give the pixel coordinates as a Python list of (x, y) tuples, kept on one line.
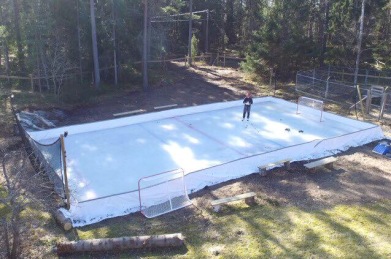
[(44, 157), (162, 193), (50, 160)]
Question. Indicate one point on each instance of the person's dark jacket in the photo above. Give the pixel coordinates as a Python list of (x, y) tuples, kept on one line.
[(248, 100)]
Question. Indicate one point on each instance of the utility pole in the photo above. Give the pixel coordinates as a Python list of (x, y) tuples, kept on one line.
[(190, 31)]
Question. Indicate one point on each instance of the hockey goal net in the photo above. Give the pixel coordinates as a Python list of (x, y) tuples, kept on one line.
[(306, 105), (162, 193)]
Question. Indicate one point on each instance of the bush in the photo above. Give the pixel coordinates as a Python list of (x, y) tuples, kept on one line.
[(194, 46)]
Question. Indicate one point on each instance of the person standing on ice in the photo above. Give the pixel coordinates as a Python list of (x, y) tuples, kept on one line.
[(248, 100)]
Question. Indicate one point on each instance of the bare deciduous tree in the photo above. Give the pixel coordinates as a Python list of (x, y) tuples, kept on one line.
[(58, 64), (12, 200), (19, 190)]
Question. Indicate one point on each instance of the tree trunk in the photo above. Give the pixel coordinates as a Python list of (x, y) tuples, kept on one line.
[(79, 41), (230, 25), (43, 61), (5, 45), (18, 36), (360, 35), (190, 30), (324, 32), (37, 60), (15, 233), (6, 57), (222, 25), (94, 44), (145, 37), (6, 237), (207, 33), (114, 44), (120, 243)]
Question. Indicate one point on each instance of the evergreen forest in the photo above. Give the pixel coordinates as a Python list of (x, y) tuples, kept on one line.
[(104, 40)]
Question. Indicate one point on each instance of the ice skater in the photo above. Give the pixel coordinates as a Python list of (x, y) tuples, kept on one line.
[(248, 100)]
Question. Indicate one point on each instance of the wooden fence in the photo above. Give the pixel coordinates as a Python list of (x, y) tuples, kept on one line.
[(212, 58)]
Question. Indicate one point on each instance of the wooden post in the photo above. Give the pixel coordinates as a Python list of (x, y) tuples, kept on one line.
[(224, 61), (383, 105), (368, 102), (271, 77), (361, 104), (120, 243), (31, 82), (64, 162), (366, 78), (326, 94)]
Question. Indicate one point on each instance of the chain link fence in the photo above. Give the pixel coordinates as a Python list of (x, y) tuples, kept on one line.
[(372, 95)]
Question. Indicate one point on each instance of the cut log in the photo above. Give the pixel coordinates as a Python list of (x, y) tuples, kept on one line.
[(63, 221), (120, 243)]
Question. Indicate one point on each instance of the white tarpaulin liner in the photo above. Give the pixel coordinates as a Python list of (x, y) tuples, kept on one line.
[(210, 142)]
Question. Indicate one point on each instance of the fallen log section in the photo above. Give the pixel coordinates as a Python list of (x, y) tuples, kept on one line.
[(120, 243), (63, 221)]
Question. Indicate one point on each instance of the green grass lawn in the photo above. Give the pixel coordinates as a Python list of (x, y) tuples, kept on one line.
[(264, 231)]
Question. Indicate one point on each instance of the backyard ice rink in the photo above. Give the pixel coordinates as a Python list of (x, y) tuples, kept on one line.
[(211, 143)]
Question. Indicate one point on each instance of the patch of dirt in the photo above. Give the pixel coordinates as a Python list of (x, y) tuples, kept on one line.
[(194, 86), (359, 176)]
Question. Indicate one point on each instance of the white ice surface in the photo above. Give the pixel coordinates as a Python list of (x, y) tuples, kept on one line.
[(209, 142)]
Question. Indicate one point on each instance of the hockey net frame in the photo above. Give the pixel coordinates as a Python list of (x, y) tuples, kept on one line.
[(307, 102), (159, 193)]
